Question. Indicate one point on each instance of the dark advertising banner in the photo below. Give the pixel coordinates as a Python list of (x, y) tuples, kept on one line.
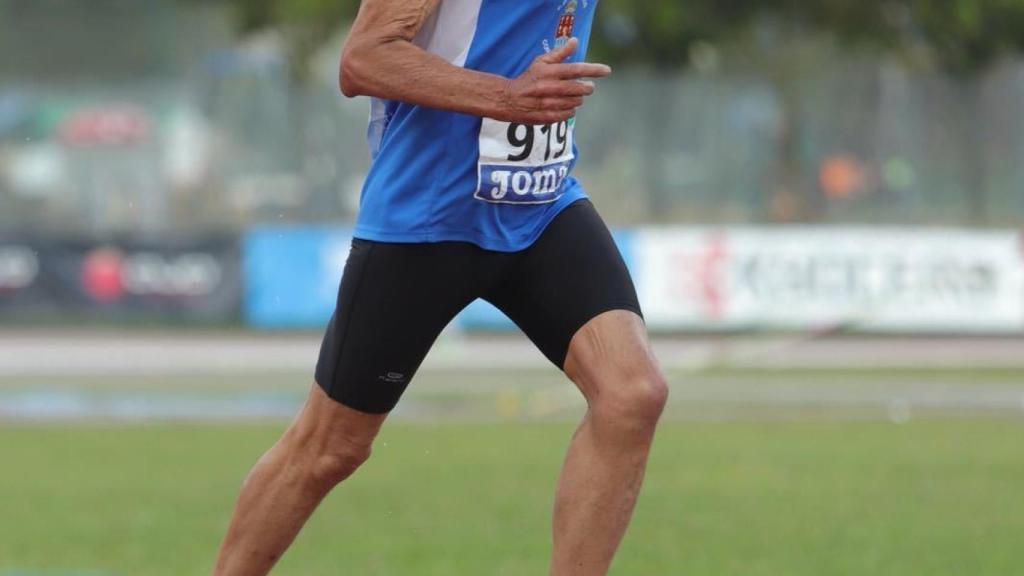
[(166, 279), (22, 287)]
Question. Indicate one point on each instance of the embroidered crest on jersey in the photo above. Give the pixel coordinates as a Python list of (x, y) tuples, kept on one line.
[(566, 24)]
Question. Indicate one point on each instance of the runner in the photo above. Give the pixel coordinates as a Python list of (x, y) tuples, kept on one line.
[(470, 195)]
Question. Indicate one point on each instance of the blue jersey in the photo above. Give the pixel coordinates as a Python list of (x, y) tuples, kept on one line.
[(439, 175)]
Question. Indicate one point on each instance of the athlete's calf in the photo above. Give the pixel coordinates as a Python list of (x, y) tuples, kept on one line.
[(324, 446), (610, 360)]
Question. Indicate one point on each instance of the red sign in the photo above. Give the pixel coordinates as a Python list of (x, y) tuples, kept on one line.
[(117, 126)]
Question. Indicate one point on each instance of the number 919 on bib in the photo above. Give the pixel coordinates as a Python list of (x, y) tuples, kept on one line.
[(523, 164)]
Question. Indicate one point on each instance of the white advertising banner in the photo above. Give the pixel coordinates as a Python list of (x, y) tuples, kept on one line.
[(861, 279)]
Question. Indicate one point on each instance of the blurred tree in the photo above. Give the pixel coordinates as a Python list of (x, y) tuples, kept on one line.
[(961, 36), (305, 24), (782, 39)]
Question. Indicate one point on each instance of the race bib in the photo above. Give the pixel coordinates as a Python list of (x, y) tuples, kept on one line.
[(523, 164)]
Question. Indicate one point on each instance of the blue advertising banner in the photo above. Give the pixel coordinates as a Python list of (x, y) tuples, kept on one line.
[(291, 274), (482, 315)]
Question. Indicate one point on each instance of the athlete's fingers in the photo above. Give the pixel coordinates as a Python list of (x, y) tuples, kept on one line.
[(565, 115), (562, 103), (564, 88), (554, 116), (581, 70), (547, 113), (561, 53), (574, 88), (548, 88)]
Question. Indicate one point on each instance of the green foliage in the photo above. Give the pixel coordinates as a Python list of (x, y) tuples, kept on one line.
[(967, 35), (961, 36), (306, 24), (661, 33), (257, 14)]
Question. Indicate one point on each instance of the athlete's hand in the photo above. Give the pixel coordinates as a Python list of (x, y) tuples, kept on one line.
[(550, 90)]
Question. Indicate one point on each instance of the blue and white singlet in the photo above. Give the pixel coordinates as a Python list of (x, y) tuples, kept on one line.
[(439, 176)]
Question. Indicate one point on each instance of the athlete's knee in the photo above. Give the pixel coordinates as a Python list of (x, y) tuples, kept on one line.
[(322, 463), (330, 467), (639, 400), (633, 399)]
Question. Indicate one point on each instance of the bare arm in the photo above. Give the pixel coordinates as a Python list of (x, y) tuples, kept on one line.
[(379, 59)]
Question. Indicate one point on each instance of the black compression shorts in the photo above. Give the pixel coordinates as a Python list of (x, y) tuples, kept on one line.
[(395, 299)]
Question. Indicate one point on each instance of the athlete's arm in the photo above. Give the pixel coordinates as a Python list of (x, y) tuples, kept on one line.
[(380, 60)]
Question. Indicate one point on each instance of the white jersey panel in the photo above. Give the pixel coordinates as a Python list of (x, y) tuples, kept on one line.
[(449, 31)]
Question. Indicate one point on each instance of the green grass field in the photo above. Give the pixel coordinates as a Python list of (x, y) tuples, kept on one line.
[(931, 497)]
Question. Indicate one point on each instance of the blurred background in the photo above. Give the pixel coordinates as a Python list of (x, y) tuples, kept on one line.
[(821, 203)]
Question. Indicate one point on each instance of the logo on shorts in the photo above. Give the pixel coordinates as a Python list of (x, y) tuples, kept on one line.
[(392, 378)]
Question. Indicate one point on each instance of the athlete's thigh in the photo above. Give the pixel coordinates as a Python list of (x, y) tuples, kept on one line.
[(611, 349), (569, 276), (393, 302)]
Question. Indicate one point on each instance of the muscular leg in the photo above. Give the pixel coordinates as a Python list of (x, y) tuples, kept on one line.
[(323, 446), (610, 361)]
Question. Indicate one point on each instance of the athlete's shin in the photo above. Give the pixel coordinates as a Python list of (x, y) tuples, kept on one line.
[(605, 464), (600, 483), (324, 446)]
